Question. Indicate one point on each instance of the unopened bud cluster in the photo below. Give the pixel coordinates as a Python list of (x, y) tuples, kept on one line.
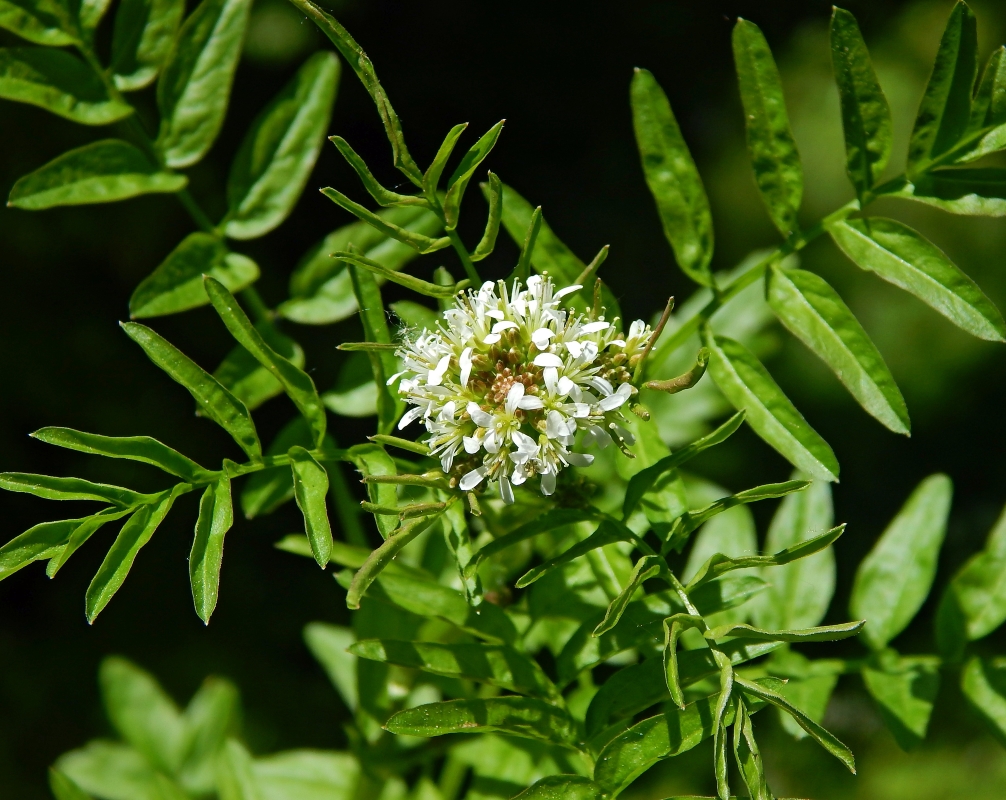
[(508, 379)]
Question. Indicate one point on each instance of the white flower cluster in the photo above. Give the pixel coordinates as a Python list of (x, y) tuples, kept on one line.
[(506, 381)]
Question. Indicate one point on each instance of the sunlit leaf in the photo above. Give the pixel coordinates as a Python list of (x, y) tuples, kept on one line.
[(463, 173), (983, 682), (142, 39), (51, 488), (905, 690), (267, 490), (420, 242), (310, 488), (825, 633), (216, 516), (46, 22), (972, 192)]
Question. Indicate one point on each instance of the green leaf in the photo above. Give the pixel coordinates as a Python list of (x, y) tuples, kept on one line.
[(987, 127), (142, 713), (235, 773), (972, 192), (823, 737), (487, 243), (420, 242), (748, 756), (431, 178), (383, 196), (799, 592), (517, 716), (383, 364), (144, 33), (894, 579), (380, 557), (559, 787), (195, 85), (296, 383), (495, 665), (356, 393), (42, 541), (978, 589), (901, 256), (372, 460), (310, 486), (825, 633), (329, 644), (114, 771), (278, 153), (51, 488), (905, 691), (945, 109), (983, 682), (216, 516), (647, 567), (46, 22), (463, 173), (749, 387), (813, 312), (361, 64), (65, 789), (606, 533), (211, 715), (308, 775), (408, 281), (866, 116), (773, 153), (81, 533), (119, 559), (267, 490), (133, 448), (809, 688), (672, 177), (60, 83), (242, 374), (674, 626), (213, 400), (177, 283), (100, 172)]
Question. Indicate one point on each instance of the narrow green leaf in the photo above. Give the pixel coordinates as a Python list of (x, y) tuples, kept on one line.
[(672, 177), (823, 737), (142, 713), (825, 633), (51, 488), (373, 460), (799, 592), (177, 283), (983, 682), (100, 172), (267, 490), (559, 787), (419, 241), (673, 628), (945, 109), (134, 448), (81, 533), (42, 541), (987, 128), (487, 243), (380, 557), (607, 533), (748, 756), (242, 374), (45, 22), (771, 147), (383, 363), (297, 383), (495, 665), (216, 516), (279, 151), (901, 256), (971, 192), (403, 279), (458, 183), (310, 486), (212, 399), (383, 196), (144, 33), (361, 64), (210, 717), (320, 287), (813, 312), (894, 579), (517, 716), (195, 85), (866, 116), (65, 789), (749, 387), (119, 559), (809, 687), (905, 691), (523, 269), (647, 567), (431, 178), (58, 82)]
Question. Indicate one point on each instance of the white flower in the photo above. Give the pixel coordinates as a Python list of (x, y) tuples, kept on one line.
[(510, 378)]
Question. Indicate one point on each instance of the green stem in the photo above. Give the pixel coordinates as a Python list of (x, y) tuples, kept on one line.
[(466, 262)]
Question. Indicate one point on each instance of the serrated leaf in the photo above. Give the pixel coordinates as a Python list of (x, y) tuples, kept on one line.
[(383, 555), (517, 716), (971, 192), (276, 157), (45, 22), (134, 448), (905, 691), (213, 400), (799, 592), (65, 789), (771, 147), (100, 172), (296, 383), (945, 109), (195, 85), (825, 633), (216, 516), (144, 33), (866, 116), (177, 283), (310, 488), (749, 387), (119, 559), (894, 579), (813, 312), (672, 178), (462, 174), (50, 488), (901, 256), (495, 665), (983, 682), (242, 374)]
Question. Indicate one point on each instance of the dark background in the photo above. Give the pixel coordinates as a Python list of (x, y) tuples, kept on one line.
[(559, 73)]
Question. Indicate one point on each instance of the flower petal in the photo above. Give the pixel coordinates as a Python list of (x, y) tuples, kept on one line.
[(513, 397), (506, 490), (547, 360), (473, 478), (530, 403), (548, 483)]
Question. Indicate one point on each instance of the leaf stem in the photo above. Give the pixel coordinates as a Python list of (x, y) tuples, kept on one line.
[(466, 262)]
